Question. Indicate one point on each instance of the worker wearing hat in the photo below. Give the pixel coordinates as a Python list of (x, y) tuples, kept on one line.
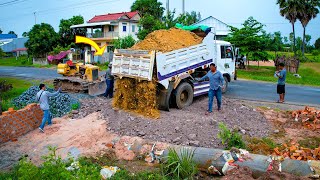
[(110, 81)]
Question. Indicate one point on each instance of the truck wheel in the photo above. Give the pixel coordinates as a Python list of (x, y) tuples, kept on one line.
[(225, 85), (184, 95)]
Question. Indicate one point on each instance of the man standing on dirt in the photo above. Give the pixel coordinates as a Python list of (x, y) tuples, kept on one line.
[(281, 89), (216, 82), (43, 99), (110, 82)]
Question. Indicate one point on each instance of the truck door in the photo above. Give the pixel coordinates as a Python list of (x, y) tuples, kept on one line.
[(227, 56)]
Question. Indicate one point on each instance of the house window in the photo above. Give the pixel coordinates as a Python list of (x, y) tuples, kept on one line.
[(124, 27), (133, 28), (111, 28)]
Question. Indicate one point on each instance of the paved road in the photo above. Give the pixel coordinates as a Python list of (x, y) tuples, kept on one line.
[(263, 91), (242, 89), (29, 73)]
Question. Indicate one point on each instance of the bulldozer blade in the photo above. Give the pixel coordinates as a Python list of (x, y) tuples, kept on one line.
[(97, 88)]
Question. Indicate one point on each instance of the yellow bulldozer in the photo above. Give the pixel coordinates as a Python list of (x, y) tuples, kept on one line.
[(80, 78)]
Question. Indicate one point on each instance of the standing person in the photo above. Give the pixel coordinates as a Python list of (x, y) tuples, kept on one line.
[(110, 81), (281, 87), (216, 82), (43, 99)]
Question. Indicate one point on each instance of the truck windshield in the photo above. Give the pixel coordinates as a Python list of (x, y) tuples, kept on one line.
[(226, 52)]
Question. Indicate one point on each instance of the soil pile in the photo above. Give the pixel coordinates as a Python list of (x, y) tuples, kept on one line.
[(168, 40), (137, 97)]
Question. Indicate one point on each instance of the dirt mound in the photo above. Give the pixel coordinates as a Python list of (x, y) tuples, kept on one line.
[(137, 97), (168, 40)]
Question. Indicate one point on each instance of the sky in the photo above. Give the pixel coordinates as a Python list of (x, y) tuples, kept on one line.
[(19, 15)]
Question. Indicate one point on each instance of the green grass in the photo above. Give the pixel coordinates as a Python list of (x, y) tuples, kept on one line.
[(22, 61), (308, 55), (309, 72), (19, 86)]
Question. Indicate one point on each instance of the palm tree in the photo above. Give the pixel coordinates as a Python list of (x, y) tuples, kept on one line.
[(310, 11), (290, 10)]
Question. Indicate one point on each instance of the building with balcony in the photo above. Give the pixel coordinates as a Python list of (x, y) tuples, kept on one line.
[(103, 29)]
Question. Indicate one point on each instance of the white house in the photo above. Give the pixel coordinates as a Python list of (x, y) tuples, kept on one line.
[(103, 29), (221, 28)]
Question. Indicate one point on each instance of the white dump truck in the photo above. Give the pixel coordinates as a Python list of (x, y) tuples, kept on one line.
[(176, 72)]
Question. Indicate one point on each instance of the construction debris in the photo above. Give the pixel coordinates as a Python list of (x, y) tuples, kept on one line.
[(294, 151), (168, 40), (310, 117)]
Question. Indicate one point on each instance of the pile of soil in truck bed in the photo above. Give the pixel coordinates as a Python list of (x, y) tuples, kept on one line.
[(168, 40), (140, 97)]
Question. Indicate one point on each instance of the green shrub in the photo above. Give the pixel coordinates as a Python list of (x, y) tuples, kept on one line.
[(179, 166), (315, 53), (231, 138), (75, 106)]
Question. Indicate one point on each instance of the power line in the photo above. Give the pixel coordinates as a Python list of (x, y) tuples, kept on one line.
[(62, 8), (12, 2)]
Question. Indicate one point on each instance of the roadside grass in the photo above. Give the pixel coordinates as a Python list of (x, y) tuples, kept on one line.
[(23, 61), (18, 87), (309, 72), (308, 55)]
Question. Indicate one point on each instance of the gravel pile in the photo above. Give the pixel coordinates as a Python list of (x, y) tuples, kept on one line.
[(59, 105), (189, 126)]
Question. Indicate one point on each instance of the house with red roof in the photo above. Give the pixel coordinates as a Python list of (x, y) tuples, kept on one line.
[(103, 29)]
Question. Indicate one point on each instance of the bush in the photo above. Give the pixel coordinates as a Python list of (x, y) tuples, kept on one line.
[(179, 167), (231, 138), (315, 52), (75, 106), (124, 43)]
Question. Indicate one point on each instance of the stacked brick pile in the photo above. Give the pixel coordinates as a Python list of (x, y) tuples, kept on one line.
[(16, 123), (298, 153), (310, 117)]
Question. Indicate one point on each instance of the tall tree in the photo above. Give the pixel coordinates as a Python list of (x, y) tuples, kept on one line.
[(67, 35), (42, 39), (151, 12), (290, 9), (149, 24), (309, 12), (188, 18), (251, 38), (148, 7)]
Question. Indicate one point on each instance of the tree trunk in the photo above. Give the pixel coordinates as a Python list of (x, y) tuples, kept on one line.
[(303, 40), (294, 39)]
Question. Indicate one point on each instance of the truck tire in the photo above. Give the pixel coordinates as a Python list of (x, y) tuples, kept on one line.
[(225, 86), (184, 95)]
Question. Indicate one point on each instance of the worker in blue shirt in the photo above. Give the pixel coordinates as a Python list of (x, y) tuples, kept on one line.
[(216, 82)]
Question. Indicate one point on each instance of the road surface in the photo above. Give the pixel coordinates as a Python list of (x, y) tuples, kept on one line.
[(241, 89)]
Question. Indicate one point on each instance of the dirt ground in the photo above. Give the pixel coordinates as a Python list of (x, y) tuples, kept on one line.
[(262, 63), (189, 126)]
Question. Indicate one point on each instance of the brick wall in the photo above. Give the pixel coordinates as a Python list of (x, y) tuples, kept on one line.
[(16, 123)]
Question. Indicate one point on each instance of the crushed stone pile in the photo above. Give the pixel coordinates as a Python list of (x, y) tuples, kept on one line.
[(137, 97), (140, 97), (168, 40), (60, 105)]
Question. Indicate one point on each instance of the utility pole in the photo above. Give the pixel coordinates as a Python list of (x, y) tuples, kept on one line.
[(168, 10), (183, 6), (35, 18)]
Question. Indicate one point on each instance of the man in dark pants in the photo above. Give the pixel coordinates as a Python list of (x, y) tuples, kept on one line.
[(110, 82), (281, 90), (216, 82)]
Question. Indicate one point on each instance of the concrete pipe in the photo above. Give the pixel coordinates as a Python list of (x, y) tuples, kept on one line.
[(205, 157)]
